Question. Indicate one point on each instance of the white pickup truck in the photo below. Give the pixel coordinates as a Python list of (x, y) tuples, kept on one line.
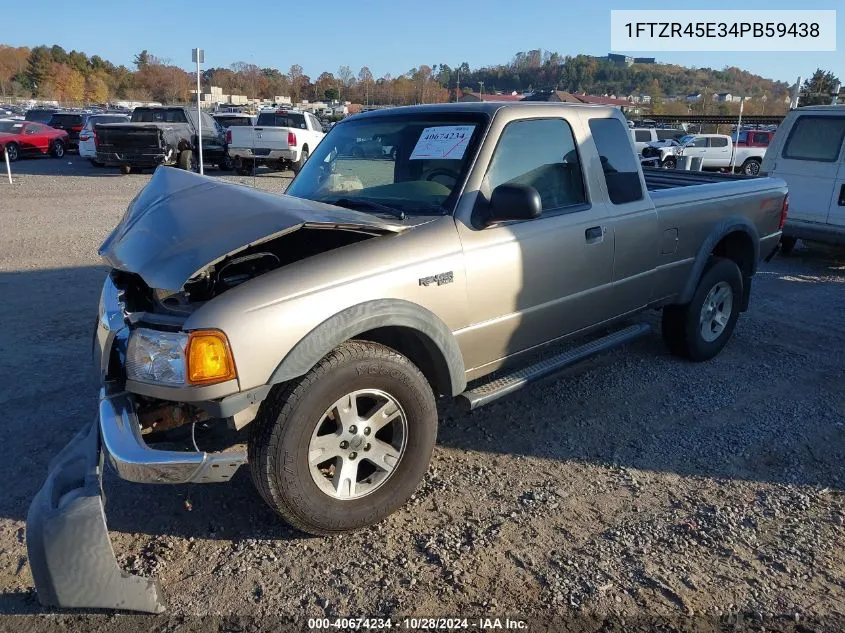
[(280, 138), (715, 151)]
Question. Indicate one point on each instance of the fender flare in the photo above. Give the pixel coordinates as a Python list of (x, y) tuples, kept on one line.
[(370, 315), (731, 224)]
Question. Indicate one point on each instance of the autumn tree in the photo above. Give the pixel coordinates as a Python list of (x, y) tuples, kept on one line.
[(96, 88), (818, 88), (141, 59)]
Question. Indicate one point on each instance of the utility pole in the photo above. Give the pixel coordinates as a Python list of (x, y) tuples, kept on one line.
[(199, 57), (458, 87), (481, 87)]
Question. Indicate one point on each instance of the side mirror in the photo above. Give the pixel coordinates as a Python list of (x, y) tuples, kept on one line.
[(514, 202)]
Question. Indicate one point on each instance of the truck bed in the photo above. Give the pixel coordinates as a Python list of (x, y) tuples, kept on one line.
[(657, 179)]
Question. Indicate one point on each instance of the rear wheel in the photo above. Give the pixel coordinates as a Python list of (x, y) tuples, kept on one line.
[(12, 152), (243, 167), (187, 161), (126, 169), (57, 149), (751, 167), (303, 156), (700, 329), (225, 164), (348, 443)]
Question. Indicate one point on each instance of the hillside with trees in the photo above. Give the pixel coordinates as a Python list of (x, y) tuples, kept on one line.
[(50, 72)]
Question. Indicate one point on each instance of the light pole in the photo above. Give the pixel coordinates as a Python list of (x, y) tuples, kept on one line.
[(199, 57)]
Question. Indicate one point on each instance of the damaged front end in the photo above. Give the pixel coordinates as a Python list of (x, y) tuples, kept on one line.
[(184, 240), (70, 553)]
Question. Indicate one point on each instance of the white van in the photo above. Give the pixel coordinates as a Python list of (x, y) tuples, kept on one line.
[(808, 153)]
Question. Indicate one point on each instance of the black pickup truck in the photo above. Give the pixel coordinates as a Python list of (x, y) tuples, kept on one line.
[(161, 135)]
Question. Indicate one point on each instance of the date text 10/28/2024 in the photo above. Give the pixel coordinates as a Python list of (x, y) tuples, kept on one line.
[(417, 624)]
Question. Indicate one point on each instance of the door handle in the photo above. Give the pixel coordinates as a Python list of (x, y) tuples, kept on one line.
[(594, 234), (842, 196)]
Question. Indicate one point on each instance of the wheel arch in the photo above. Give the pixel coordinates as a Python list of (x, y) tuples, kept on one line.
[(735, 238), (406, 327)]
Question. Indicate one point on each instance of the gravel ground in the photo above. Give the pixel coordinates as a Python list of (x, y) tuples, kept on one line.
[(633, 492)]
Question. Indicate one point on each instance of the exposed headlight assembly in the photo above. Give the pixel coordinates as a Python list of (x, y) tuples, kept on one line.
[(200, 357)]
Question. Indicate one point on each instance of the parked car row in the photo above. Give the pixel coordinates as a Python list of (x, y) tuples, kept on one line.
[(19, 139), (283, 139)]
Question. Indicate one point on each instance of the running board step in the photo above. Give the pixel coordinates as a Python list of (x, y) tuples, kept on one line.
[(504, 385)]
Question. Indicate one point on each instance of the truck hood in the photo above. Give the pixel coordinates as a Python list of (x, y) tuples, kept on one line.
[(182, 223)]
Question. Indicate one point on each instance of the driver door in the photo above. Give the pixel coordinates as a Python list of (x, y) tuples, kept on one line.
[(532, 281)]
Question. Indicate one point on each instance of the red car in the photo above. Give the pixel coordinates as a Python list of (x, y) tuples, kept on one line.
[(27, 138)]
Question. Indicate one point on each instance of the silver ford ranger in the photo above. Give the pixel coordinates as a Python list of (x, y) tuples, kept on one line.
[(319, 327)]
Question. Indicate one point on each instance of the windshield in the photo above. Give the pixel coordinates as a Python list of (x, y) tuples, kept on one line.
[(689, 138), (414, 163), (11, 127)]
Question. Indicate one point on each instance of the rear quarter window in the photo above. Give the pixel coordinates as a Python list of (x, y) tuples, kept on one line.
[(718, 141), (815, 138), (621, 172), (642, 136)]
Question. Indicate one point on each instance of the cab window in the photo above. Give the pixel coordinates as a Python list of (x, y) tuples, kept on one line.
[(817, 138), (621, 172), (540, 153)]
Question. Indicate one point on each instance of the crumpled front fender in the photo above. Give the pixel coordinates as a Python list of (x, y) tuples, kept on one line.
[(70, 553)]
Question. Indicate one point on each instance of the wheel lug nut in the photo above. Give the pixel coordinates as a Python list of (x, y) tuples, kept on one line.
[(353, 429), (366, 430), (353, 455), (344, 444), (366, 447)]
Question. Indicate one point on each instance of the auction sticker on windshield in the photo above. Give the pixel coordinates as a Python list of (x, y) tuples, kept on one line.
[(444, 142)]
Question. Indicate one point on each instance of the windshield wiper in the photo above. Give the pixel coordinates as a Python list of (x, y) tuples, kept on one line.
[(363, 203)]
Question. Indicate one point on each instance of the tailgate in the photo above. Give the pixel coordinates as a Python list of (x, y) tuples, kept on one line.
[(127, 137), (270, 138)]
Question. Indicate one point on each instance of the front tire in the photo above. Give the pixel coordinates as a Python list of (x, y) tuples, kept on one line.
[(345, 445), (700, 329), (12, 152), (57, 149), (669, 163)]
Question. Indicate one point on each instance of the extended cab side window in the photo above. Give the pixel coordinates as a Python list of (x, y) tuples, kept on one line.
[(718, 141), (621, 172), (540, 153), (642, 136), (699, 142), (815, 138)]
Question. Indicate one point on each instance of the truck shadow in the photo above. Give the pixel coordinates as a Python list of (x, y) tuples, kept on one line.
[(635, 407)]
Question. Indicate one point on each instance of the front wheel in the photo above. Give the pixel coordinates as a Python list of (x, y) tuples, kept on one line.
[(57, 149), (669, 163), (347, 444), (700, 329)]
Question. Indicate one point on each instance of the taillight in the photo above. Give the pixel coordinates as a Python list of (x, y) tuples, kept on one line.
[(84, 137), (94, 136), (228, 137), (291, 139), (784, 211)]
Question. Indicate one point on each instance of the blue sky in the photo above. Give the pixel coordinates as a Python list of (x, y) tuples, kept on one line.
[(388, 36)]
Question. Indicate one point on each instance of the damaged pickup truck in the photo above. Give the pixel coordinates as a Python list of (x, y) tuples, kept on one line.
[(318, 327)]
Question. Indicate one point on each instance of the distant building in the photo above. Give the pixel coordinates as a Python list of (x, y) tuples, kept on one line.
[(626, 60), (723, 97), (694, 96)]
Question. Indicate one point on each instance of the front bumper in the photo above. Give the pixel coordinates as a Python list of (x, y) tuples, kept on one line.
[(70, 554)]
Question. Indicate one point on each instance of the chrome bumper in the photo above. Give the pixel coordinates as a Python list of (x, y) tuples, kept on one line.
[(274, 154), (135, 461)]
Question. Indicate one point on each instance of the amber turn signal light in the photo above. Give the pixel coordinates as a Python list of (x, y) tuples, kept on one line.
[(209, 357)]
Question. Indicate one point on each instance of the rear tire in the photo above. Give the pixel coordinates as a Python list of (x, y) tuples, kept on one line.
[(126, 169), (242, 167), (700, 329), (57, 149), (324, 414), (186, 160), (787, 245), (751, 167), (297, 166)]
